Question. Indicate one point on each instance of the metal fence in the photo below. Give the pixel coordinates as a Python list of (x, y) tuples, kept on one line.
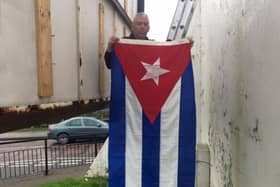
[(41, 159)]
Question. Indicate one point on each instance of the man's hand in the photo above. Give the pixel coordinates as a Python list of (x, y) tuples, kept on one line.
[(189, 38), (111, 43)]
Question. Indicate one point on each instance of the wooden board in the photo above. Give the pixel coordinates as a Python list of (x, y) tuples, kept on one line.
[(101, 49), (44, 48)]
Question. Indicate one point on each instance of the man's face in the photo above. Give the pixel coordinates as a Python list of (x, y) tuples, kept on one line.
[(140, 27)]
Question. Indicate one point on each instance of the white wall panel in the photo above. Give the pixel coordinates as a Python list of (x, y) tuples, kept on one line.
[(65, 49), (90, 48), (18, 78)]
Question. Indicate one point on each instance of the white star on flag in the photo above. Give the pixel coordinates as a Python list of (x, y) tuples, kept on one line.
[(153, 71)]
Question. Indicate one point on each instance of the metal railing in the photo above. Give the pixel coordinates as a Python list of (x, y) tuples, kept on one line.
[(43, 158)]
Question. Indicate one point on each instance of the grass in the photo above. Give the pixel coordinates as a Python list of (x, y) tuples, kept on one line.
[(84, 182)]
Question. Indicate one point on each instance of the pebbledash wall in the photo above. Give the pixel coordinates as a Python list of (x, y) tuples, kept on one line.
[(237, 73)]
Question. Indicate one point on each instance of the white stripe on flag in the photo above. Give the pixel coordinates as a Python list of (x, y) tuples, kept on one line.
[(169, 138), (133, 162)]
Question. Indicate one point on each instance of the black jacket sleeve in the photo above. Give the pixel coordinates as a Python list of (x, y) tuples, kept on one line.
[(108, 59)]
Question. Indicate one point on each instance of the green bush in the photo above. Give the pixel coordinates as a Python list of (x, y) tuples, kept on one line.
[(100, 114)]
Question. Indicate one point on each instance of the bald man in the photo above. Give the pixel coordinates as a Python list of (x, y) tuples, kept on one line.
[(140, 28)]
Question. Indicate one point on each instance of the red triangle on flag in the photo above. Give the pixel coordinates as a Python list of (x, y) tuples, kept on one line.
[(153, 71)]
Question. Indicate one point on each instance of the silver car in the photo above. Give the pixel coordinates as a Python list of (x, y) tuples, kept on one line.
[(78, 128)]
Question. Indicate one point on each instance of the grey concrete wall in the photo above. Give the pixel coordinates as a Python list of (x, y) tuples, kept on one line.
[(236, 54)]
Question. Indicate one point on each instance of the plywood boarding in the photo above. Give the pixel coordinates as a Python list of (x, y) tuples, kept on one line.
[(80, 52), (101, 49), (44, 48)]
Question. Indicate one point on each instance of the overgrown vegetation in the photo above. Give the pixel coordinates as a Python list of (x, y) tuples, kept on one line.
[(84, 182), (100, 114), (36, 128)]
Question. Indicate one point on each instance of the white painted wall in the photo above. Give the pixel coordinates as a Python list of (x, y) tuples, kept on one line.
[(236, 54)]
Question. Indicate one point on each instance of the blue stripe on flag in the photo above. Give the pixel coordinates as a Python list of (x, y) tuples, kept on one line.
[(150, 152), (187, 131), (117, 126)]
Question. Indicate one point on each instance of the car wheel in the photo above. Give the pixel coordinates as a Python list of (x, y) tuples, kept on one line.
[(63, 138)]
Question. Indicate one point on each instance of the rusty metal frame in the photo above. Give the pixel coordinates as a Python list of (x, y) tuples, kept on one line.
[(121, 11)]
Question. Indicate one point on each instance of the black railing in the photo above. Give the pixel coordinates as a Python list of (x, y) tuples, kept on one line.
[(43, 158)]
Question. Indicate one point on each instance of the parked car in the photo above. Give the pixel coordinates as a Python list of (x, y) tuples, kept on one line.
[(78, 128)]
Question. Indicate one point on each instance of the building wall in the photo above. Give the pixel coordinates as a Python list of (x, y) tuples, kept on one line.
[(237, 73), (72, 31)]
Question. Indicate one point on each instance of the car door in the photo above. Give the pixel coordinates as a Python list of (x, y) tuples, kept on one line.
[(93, 128), (74, 127)]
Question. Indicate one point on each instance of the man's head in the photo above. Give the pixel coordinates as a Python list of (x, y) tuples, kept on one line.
[(140, 26)]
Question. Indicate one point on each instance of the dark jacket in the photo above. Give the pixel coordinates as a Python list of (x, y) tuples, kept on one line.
[(108, 55)]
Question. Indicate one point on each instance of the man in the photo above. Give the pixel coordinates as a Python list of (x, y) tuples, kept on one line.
[(140, 28), (143, 149)]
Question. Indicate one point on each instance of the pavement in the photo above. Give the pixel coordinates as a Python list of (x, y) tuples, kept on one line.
[(18, 134)]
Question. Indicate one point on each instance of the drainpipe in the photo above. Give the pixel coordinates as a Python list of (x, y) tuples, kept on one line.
[(141, 6)]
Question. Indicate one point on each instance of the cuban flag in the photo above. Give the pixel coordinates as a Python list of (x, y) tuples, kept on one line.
[(152, 136)]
